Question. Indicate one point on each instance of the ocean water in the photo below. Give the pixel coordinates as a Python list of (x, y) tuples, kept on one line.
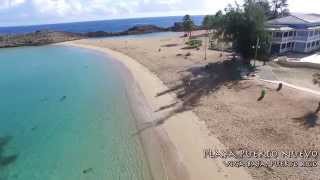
[(106, 25), (64, 115)]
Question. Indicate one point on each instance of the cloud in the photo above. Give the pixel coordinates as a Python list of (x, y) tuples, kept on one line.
[(17, 12), (6, 4), (81, 7), (56, 11), (312, 6), (54, 7), (115, 7)]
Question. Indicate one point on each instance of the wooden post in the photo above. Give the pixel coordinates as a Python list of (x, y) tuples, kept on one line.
[(256, 53), (318, 108), (206, 45)]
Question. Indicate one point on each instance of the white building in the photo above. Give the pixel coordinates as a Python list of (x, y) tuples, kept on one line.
[(295, 33)]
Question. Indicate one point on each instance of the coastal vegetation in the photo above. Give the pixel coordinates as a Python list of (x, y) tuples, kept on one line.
[(243, 26), (279, 8), (193, 43)]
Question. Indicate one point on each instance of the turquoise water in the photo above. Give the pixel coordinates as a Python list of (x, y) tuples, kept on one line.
[(64, 115)]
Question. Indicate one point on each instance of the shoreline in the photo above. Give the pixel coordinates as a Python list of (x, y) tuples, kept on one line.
[(154, 143), (184, 135)]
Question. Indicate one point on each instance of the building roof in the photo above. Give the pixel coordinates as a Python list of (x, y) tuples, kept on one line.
[(315, 27), (297, 18), (282, 28), (310, 18)]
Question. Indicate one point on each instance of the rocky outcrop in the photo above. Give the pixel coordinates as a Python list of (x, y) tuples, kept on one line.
[(145, 29), (48, 37), (37, 38), (177, 27), (102, 34), (142, 29)]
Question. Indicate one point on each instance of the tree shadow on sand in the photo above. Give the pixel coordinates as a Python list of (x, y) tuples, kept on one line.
[(6, 160), (196, 83), (309, 120)]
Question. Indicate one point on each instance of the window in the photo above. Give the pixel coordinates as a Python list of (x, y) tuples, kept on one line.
[(318, 43), (311, 33), (283, 46), (278, 34), (313, 43), (286, 34), (308, 45), (302, 33), (290, 33), (288, 45)]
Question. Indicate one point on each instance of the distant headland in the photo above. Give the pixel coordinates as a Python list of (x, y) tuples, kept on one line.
[(45, 37)]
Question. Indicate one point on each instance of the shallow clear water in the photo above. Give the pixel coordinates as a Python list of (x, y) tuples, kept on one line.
[(64, 115)]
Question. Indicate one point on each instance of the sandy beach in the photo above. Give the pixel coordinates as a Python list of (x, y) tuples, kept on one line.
[(230, 117), (183, 136)]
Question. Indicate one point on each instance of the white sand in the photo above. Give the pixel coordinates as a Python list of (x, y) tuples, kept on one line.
[(314, 58), (186, 132)]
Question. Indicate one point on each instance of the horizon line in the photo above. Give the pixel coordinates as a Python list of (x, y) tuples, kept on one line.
[(84, 21)]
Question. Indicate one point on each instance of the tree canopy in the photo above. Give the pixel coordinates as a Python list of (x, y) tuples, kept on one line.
[(244, 26), (279, 8), (213, 21), (188, 24), (266, 8)]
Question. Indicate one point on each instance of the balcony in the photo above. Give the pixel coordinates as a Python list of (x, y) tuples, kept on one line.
[(301, 38), (314, 38), (282, 39)]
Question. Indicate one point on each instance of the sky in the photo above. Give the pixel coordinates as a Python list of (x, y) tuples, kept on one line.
[(29, 12)]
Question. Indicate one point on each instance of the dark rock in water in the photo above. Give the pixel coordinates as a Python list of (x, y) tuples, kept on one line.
[(44, 99), (63, 98), (34, 128), (89, 170), (5, 161), (4, 141)]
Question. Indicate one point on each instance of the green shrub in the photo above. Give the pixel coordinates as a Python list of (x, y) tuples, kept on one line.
[(262, 95), (194, 43)]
